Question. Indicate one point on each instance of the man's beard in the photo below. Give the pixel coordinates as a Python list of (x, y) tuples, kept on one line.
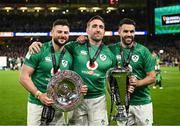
[(59, 43), (125, 41), (97, 39)]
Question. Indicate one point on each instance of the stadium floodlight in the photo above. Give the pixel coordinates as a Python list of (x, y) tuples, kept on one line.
[(23, 9), (82, 9), (38, 8), (111, 8), (161, 51), (95, 9), (7, 8), (53, 8), (108, 11)]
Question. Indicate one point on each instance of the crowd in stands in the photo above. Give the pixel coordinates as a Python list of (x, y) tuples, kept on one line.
[(16, 50), (41, 22), (167, 50)]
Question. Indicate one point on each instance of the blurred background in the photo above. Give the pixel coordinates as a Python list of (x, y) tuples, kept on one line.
[(24, 21)]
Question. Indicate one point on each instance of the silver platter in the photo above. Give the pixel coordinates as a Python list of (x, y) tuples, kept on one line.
[(64, 89)]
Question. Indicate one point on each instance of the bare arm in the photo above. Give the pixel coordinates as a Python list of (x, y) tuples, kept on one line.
[(35, 47), (27, 83), (25, 79), (82, 39), (149, 79)]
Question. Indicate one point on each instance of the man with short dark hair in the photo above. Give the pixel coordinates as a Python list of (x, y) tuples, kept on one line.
[(91, 61), (38, 68), (138, 58)]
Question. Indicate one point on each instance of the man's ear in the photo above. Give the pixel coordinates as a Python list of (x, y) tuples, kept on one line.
[(87, 30), (51, 32), (119, 30)]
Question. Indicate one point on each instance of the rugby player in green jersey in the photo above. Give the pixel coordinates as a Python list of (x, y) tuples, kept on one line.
[(157, 70), (134, 55), (91, 60), (139, 59), (38, 68)]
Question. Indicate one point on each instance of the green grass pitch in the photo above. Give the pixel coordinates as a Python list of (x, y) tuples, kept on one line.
[(166, 102)]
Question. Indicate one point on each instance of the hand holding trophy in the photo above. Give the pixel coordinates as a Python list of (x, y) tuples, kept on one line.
[(66, 89)]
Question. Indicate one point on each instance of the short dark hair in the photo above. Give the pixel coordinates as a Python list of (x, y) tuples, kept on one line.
[(127, 21), (63, 22), (94, 18)]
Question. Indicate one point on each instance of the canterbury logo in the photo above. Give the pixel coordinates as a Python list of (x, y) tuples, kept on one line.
[(48, 59), (83, 52)]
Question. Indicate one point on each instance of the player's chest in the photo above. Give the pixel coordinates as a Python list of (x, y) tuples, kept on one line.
[(47, 62)]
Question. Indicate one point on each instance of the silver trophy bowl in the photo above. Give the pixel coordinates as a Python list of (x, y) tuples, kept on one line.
[(64, 89)]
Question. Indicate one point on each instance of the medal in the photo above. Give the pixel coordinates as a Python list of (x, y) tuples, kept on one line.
[(92, 64)]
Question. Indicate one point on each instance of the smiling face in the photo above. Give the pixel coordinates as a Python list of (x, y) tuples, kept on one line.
[(127, 34), (60, 34), (95, 30)]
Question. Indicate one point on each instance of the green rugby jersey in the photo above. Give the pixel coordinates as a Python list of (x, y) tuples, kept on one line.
[(41, 62), (157, 60), (141, 63), (94, 79)]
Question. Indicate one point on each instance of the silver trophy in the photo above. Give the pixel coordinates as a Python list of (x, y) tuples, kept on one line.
[(118, 79), (64, 89)]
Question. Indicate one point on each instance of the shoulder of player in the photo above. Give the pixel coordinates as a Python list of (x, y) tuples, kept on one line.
[(141, 48), (67, 53), (114, 45), (46, 45), (45, 49), (107, 50), (142, 51), (74, 43)]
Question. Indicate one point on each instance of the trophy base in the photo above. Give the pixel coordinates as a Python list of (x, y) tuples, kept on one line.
[(120, 117)]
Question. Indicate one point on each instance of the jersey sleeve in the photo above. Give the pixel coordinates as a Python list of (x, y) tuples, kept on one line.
[(113, 56), (70, 61), (114, 61), (111, 47), (70, 46), (32, 60), (149, 61)]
